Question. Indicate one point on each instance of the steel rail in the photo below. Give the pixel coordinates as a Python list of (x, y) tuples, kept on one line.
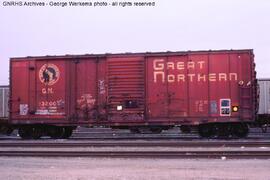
[(165, 133), (115, 138), (136, 144), (143, 154)]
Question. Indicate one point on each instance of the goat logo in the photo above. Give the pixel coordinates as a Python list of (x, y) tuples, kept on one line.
[(49, 74)]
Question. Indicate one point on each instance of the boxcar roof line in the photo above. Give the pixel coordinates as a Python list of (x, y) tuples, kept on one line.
[(147, 54)]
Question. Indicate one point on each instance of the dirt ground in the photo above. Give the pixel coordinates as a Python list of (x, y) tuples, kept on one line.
[(131, 169)]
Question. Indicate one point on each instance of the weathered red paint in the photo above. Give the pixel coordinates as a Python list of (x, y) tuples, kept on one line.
[(168, 88)]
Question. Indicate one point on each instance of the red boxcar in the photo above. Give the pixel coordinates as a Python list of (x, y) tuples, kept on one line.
[(212, 89)]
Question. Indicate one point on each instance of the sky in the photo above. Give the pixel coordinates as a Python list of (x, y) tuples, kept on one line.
[(171, 25)]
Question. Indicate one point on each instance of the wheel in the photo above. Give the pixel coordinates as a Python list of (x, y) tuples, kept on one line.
[(67, 132), (56, 132), (223, 130), (185, 129), (206, 130), (25, 132), (37, 132), (240, 130), (6, 130), (9, 131), (264, 128), (135, 130), (156, 130)]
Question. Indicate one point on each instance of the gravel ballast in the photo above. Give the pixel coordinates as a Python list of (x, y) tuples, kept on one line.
[(131, 169)]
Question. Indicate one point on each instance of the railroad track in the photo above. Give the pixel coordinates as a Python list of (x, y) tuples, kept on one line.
[(124, 149), (72, 144), (129, 133), (108, 134), (143, 154), (116, 138)]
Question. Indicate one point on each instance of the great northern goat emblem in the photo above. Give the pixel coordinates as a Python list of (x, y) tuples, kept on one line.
[(49, 74)]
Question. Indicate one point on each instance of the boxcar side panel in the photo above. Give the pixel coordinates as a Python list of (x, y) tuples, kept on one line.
[(38, 91), (86, 89), (201, 87), (234, 87), (102, 91), (177, 94), (219, 77), (50, 91), (247, 95), (157, 102), (19, 84), (197, 70)]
